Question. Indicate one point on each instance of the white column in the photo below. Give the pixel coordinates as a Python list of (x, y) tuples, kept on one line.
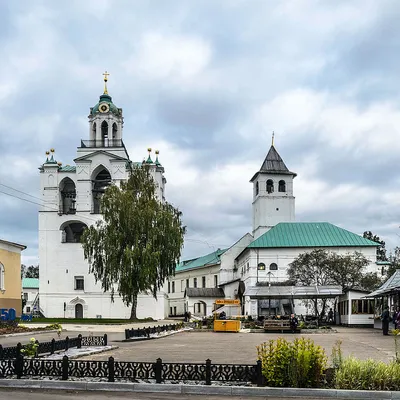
[(98, 130)]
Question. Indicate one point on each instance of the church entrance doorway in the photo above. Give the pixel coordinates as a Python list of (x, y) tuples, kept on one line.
[(78, 311)]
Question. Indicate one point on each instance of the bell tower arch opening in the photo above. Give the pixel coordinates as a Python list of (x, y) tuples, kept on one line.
[(101, 179), (67, 196)]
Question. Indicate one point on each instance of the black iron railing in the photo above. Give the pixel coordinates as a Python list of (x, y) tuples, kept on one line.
[(55, 345), (102, 143), (146, 332), (112, 370)]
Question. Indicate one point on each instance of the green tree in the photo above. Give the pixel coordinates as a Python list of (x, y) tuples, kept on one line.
[(394, 259), (29, 272), (138, 244), (381, 249), (321, 267), (32, 271)]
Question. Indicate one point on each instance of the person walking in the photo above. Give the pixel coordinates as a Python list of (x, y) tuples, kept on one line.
[(293, 323), (396, 318), (385, 321)]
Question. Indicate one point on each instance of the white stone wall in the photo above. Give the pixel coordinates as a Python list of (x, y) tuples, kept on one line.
[(248, 261), (177, 298), (229, 270), (31, 296)]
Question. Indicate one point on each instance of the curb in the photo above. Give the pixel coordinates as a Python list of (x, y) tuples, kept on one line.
[(199, 389), (31, 333)]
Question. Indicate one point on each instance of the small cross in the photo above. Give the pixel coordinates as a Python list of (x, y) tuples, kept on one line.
[(106, 76)]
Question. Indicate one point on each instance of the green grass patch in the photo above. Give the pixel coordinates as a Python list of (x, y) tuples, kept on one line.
[(86, 321)]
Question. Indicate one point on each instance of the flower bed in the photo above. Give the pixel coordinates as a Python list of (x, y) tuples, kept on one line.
[(10, 328)]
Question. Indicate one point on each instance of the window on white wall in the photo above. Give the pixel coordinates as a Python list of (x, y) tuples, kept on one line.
[(79, 283), (195, 282), (2, 287), (182, 285)]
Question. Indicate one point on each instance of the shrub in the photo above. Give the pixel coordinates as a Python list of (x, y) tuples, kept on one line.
[(55, 326), (300, 363), (367, 375), (30, 349)]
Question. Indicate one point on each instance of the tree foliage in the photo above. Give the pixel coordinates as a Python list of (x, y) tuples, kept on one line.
[(381, 249), (321, 267), (29, 272), (137, 245)]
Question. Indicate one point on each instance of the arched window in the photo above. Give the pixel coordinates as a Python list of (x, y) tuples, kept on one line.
[(104, 130), (72, 231), (114, 131), (2, 287), (67, 196), (273, 267), (270, 186), (282, 186), (257, 188), (100, 183)]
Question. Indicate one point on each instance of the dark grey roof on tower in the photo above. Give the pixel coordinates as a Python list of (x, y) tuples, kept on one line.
[(273, 164)]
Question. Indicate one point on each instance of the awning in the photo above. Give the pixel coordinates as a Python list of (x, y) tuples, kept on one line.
[(295, 292), (392, 285)]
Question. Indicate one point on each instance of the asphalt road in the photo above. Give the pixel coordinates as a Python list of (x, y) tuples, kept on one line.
[(14, 394)]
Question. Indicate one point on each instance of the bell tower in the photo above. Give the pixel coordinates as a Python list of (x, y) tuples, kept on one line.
[(273, 199), (105, 121)]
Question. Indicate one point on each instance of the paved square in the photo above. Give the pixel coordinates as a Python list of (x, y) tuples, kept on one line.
[(241, 347)]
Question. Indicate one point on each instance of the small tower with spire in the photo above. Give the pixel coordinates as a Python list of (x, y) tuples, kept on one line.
[(105, 121), (273, 200)]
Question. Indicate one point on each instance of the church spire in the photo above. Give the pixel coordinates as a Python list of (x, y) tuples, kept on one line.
[(105, 82)]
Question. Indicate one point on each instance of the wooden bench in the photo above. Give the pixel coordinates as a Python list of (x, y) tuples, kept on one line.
[(278, 325)]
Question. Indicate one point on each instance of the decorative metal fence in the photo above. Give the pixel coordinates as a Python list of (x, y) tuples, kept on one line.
[(146, 332), (55, 345), (112, 370)]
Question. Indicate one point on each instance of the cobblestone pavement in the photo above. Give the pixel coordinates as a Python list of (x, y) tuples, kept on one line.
[(241, 347)]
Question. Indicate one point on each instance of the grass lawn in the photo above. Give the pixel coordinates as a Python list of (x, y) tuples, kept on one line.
[(87, 321)]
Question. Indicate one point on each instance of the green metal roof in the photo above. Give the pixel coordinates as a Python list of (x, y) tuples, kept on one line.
[(67, 168), (209, 259), (30, 283), (309, 234)]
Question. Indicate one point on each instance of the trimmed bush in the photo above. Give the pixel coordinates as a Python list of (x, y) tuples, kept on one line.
[(300, 363)]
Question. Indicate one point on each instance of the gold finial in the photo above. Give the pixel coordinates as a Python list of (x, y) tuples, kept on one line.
[(59, 163), (105, 82), (149, 149), (273, 136), (157, 152), (52, 150), (47, 153)]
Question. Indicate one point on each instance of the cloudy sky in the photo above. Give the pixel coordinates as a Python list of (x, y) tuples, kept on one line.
[(206, 82)]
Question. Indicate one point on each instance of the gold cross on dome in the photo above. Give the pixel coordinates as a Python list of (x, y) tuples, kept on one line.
[(105, 82)]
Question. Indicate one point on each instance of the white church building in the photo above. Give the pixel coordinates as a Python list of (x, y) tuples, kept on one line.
[(245, 270), (71, 197), (71, 201)]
